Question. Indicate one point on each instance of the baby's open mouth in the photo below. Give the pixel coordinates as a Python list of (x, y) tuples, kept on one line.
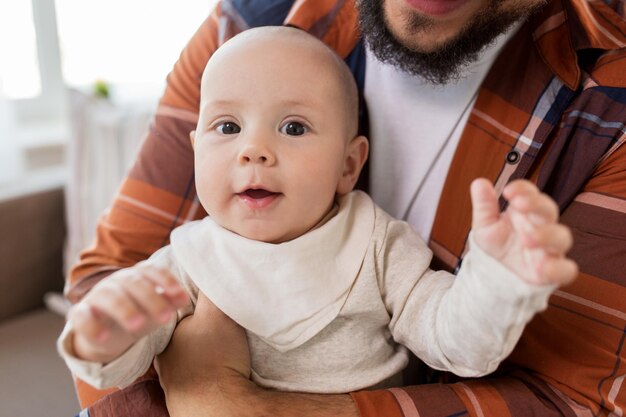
[(258, 193), (258, 198)]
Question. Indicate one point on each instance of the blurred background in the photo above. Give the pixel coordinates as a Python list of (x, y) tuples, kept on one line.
[(79, 81)]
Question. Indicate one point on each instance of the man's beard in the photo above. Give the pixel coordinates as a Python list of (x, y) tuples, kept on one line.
[(448, 60)]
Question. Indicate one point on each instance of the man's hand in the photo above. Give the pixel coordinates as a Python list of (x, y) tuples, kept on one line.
[(205, 372), (121, 309), (206, 361), (527, 237), (203, 343)]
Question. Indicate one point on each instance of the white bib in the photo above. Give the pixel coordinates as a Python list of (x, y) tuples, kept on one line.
[(284, 293)]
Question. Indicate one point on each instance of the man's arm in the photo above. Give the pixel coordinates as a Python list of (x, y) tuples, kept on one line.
[(205, 371), (206, 367), (228, 393)]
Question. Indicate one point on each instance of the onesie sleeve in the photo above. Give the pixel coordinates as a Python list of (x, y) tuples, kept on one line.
[(136, 361), (465, 324)]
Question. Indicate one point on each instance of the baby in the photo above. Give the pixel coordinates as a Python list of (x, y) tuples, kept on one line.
[(330, 289)]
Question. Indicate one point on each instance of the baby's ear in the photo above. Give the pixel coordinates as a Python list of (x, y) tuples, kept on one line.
[(192, 138), (356, 155)]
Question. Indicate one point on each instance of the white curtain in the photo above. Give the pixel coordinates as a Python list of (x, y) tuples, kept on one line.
[(10, 157), (104, 142)]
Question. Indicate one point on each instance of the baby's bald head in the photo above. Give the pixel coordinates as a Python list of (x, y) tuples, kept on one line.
[(287, 44)]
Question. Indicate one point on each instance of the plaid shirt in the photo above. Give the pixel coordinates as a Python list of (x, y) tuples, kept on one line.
[(551, 109)]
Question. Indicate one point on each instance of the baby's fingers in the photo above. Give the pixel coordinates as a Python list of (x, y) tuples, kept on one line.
[(538, 206), (89, 324), (166, 285), (554, 238), (114, 302), (558, 271), (150, 298)]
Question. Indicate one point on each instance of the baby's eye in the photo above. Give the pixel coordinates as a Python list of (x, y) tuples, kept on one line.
[(228, 128), (294, 129)]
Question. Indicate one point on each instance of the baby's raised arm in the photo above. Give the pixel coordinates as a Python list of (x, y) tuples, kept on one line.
[(469, 323)]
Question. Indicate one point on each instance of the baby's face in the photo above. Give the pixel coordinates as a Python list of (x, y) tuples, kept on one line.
[(271, 141)]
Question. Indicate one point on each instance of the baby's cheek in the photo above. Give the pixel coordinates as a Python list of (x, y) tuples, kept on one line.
[(208, 194), (210, 173)]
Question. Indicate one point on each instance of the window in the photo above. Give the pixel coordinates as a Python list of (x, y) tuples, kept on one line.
[(32, 95), (120, 42), (47, 46), (19, 77), (31, 72), (126, 43)]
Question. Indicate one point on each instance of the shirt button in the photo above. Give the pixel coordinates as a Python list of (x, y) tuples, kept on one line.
[(512, 157)]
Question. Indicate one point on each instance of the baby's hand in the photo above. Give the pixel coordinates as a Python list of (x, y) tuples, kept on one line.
[(527, 238), (121, 309)]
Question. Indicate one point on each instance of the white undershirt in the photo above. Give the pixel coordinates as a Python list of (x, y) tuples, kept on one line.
[(410, 120)]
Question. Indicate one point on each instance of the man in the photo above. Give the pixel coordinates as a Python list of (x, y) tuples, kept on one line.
[(454, 89)]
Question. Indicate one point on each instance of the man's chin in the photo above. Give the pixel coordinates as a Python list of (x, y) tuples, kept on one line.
[(422, 32), (435, 51), (424, 41)]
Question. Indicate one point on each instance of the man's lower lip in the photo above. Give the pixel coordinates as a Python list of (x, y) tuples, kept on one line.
[(436, 7), (258, 203)]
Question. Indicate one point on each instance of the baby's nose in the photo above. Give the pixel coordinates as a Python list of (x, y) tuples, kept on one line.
[(257, 154)]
